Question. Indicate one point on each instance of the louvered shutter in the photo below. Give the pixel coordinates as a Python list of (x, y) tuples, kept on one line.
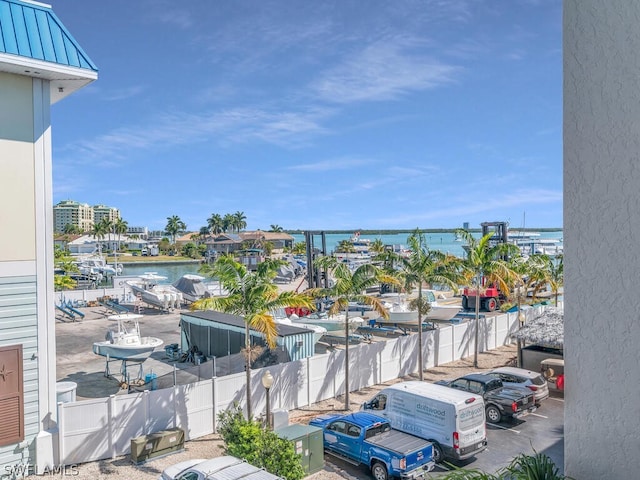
[(11, 395)]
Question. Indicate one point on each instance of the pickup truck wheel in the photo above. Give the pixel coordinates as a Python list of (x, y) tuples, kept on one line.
[(438, 454), (493, 414), (379, 471)]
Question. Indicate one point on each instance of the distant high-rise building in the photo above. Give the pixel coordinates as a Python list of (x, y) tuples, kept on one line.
[(465, 225), (81, 215), (69, 212), (100, 212)]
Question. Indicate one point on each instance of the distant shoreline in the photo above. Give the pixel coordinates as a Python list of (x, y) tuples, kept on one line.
[(428, 230)]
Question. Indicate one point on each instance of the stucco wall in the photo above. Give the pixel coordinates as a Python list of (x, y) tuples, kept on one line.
[(602, 236), (17, 181)]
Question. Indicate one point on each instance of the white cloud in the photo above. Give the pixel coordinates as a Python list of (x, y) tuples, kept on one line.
[(384, 70)]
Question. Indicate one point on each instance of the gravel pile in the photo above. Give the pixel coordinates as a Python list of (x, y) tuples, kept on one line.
[(211, 446)]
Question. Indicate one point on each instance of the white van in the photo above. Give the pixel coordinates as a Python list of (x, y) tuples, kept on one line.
[(452, 419)]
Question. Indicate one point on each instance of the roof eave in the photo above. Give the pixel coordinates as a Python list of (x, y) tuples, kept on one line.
[(63, 79)]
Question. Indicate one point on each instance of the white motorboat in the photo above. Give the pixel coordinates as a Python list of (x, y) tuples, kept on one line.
[(330, 322), (281, 317), (165, 297), (126, 343)]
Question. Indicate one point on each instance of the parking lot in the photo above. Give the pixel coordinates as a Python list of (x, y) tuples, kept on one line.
[(541, 431)]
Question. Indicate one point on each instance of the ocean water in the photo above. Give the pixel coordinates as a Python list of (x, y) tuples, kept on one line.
[(444, 242)]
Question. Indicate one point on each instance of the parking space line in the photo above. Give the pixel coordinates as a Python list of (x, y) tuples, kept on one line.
[(538, 415), (556, 399), (506, 428)]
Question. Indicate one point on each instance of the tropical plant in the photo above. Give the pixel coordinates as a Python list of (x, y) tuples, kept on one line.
[(556, 275), (276, 229), (377, 246), (239, 221), (262, 448), (299, 248), (120, 227), (426, 267), (190, 250), (63, 261), (174, 227), (100, 230), (485, 264), (215, 223), (253, 296), (71, 229), (523, 467), (350, 286), (228, 222), (345, 246)]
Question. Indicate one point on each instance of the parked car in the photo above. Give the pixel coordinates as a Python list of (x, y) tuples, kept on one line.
[(227, 467), (519, 377), (368, 439), (500, 401)]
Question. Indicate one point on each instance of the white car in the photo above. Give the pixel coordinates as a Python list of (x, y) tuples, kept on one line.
[(519, 377), (227, 467)]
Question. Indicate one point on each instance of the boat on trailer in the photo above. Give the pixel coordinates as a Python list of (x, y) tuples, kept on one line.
[(125, 341)]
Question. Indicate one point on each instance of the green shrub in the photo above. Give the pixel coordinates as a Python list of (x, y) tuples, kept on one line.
[(247, 440), (522, 467)]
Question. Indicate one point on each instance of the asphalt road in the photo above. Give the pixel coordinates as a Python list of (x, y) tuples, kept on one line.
[(541, 432)]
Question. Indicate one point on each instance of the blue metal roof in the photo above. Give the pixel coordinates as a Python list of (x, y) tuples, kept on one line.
[(33, 31)]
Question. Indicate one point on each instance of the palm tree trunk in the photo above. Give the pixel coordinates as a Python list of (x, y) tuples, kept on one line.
[(475, 347), (247, 367), (420, 359), (346, 359)]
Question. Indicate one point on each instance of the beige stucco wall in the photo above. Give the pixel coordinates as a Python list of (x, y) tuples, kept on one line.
[(17, 195), (602, 237)]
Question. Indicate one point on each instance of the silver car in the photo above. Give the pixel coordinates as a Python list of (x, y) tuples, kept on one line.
[(519, 377)]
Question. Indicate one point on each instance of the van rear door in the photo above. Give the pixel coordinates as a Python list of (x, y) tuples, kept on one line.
[(471, 429)]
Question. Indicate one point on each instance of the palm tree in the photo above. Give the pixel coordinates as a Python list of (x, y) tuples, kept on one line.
[(299, 248), (556, 275), (345, 246), (174, 226), (276, 228), (350, 287), (377, 246), (239, 221), (422, 267), (227, 222), (120, 226), (215, 223), (253, 296), (485, 262), (100, 229)]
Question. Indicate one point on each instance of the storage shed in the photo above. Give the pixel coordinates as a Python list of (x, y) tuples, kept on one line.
[(218, 334)]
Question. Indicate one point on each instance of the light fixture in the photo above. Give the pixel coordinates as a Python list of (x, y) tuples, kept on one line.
[(267, 383), (60, 89)]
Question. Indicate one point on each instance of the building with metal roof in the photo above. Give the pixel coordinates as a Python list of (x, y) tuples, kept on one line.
[(40, 63), (218, 334)]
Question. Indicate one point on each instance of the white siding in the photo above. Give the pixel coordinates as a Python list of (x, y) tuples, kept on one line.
[(18, 325)]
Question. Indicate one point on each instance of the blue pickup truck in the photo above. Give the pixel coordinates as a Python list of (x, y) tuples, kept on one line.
[(368, 439)]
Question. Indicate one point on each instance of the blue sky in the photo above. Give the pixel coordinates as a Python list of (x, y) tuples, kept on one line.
[(347, 114)]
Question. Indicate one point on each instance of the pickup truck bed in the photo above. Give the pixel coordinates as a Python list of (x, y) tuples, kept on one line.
[(397, 441)]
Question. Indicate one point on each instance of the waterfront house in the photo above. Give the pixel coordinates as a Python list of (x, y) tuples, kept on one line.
[(40, 64)]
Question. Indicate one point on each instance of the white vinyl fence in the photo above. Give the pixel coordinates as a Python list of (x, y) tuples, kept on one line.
[(103, 428)]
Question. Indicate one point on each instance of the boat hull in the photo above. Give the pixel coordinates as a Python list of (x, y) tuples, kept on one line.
[(137, 352), (331, 324)]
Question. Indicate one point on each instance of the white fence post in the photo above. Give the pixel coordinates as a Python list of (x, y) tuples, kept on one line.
[(61, 431), (214, 402), (111, 418)]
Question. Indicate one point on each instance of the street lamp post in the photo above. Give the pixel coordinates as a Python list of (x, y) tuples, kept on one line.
[(267, 382)]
